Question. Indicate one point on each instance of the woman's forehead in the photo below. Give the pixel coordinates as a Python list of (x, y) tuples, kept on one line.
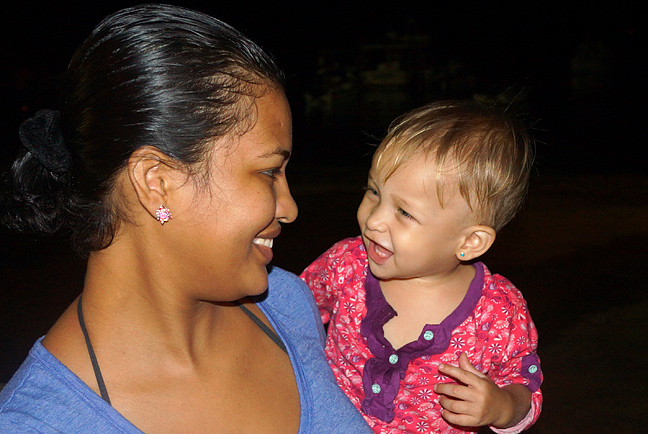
[(269, 136)]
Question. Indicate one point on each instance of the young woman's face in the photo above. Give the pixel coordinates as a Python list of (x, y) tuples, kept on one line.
[(406, 231), (227, 231)]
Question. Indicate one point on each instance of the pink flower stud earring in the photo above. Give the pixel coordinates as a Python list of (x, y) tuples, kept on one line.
[(163, 214)]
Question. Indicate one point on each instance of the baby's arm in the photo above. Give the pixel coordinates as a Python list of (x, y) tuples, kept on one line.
[(330, 272), (320, 287), (475, 400), (511, 365)]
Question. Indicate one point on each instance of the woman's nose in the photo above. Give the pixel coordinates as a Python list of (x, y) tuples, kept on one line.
[(286, 207)]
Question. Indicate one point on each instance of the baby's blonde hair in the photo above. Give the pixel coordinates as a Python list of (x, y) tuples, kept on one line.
[(487, 152)]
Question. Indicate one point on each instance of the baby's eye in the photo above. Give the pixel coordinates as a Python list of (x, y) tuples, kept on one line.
[(405, 214), (370, 190)]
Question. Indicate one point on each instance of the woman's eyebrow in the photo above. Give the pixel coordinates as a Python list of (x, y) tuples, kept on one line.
[(285, 153)]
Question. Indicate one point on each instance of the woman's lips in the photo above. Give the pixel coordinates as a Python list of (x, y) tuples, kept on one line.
[(377, 253), (263, 242), (264, 245)]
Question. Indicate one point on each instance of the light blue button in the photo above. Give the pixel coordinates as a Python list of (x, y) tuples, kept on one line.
[(393, 359), (375, 388), (428, 335), (533, 369)]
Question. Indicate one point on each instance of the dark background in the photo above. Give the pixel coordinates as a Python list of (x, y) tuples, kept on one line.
[(571, 70)]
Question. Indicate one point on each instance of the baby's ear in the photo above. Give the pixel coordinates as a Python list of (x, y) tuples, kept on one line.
[(478, 240)]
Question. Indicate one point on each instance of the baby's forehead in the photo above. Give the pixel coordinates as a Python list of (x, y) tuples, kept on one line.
[(388, 164), (440, 184)]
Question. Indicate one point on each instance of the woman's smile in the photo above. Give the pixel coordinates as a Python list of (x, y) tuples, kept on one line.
[(264, 245)]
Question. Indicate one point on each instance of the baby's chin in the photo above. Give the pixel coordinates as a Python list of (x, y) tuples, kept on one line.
[(379, 273)]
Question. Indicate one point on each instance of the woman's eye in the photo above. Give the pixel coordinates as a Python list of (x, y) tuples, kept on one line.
[(273, 173)]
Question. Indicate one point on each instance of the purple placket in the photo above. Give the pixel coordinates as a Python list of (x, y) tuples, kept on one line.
[(383, 372)]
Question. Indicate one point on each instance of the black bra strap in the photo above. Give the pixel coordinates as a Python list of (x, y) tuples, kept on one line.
[(95, 365), (93, 357), (267, 330)]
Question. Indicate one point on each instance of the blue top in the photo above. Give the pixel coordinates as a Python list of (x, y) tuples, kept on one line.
[(46, 397)]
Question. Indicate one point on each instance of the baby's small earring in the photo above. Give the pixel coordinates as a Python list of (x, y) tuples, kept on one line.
[(163, 214), (462, 254)]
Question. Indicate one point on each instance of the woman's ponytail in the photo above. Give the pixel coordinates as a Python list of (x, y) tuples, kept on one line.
[(36, 194)]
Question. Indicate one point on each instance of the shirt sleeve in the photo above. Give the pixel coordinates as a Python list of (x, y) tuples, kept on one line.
[(520, 363), (331, 273), (319, 278)]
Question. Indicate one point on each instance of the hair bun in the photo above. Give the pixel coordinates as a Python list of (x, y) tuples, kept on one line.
[(42, 136)]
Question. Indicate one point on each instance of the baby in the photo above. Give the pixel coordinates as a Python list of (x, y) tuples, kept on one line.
[(422, 337)]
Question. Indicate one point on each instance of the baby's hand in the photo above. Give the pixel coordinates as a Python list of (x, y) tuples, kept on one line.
[(476, 400)]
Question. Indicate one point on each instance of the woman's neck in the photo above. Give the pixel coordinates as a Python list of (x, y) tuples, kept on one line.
[(130, 296)]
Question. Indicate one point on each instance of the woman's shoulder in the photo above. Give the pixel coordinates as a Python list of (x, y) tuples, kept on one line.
[(279, 276), (290, 307), (44, 396), (40, 376), (286, 287), (290, 298)]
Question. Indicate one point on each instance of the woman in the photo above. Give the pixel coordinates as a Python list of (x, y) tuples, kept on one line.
[(167, 165)]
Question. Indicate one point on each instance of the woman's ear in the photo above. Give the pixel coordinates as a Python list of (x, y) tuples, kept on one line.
[(478, 240), (151, 177)]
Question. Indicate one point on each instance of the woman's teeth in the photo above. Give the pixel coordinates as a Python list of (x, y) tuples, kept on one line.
[(263, 241)]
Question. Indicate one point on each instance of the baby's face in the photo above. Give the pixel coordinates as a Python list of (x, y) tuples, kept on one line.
[(406, 230)]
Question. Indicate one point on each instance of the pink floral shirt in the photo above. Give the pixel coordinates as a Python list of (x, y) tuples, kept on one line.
[(394, 388)]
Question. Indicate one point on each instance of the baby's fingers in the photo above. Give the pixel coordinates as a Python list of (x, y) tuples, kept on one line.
[(458, 418), (456, 411), (452, 390), (456, 406), (465, 364), (459, 374), (464, 373)]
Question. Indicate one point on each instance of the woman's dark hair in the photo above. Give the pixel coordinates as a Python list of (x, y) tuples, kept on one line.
[(150, 75)]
